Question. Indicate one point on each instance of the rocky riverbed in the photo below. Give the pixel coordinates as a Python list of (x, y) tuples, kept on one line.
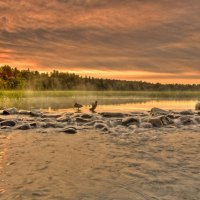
[(123, 156), (105, 122)]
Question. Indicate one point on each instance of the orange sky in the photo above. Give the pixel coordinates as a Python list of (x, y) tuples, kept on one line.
[(149, 40)]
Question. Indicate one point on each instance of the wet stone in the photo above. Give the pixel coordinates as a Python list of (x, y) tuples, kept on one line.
[(24, 127), (8, 123), (70, 130), (10, 111)]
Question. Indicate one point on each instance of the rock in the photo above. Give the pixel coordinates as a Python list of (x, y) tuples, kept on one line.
[(2, 119), (197, 106), (197, 119), (100, 125), (24, 127), (36, 113), (145, 125), (5, 127), (130, 121), (51, 115), (114, 123), (133, 127), (70, 130), (110, 114), (186, 112), (51, 125), (64, 119), (186, 120), (10, 111), (86, 116), (156, 122), (90, 123), (157, 111), (166, 120), (8, 123), (24, 112), (81, 120)]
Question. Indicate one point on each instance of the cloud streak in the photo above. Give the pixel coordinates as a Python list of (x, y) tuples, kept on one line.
[(151, 36)]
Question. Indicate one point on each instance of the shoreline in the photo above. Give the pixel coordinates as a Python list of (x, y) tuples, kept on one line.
[(105, 122)]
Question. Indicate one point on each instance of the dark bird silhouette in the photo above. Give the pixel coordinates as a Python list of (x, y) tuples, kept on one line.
[(94, 106), (78, 106)]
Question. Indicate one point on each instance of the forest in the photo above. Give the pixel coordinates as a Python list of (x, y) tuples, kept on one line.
[(12, 78)]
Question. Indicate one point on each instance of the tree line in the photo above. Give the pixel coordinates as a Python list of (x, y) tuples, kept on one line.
[(13, 78)]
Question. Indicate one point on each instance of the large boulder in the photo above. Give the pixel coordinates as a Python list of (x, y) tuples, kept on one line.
[(10, 111), (157, 111), (197, 106), (130, 121)]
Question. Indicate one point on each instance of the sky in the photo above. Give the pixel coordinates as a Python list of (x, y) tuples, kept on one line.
[(149, 40)]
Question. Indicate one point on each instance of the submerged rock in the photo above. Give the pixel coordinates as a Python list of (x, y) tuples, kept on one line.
[(8, 123), (10, 111)]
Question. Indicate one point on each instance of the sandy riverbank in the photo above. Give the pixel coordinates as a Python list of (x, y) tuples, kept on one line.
[(52, 165)]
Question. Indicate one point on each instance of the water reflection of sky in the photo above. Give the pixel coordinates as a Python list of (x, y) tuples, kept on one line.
[(137, 106)]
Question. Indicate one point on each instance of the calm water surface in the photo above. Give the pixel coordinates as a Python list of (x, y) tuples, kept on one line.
[(114, 104)]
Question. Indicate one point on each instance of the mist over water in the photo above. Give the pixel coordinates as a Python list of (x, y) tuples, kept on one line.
[(62, 101)]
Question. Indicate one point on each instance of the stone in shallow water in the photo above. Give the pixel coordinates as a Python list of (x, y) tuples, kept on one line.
[(36, 113), (109, 114), (81, 120), (8, 123), (186, 112), (145, 125), (156, 122), (197, 106), (130, 121), (24, 112), (100, 125), (24, 127), (70, 130), (158, 111), (64, 119), (10, 111)]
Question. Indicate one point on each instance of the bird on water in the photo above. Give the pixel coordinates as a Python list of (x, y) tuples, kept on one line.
[(78, 106), (94, 106)]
